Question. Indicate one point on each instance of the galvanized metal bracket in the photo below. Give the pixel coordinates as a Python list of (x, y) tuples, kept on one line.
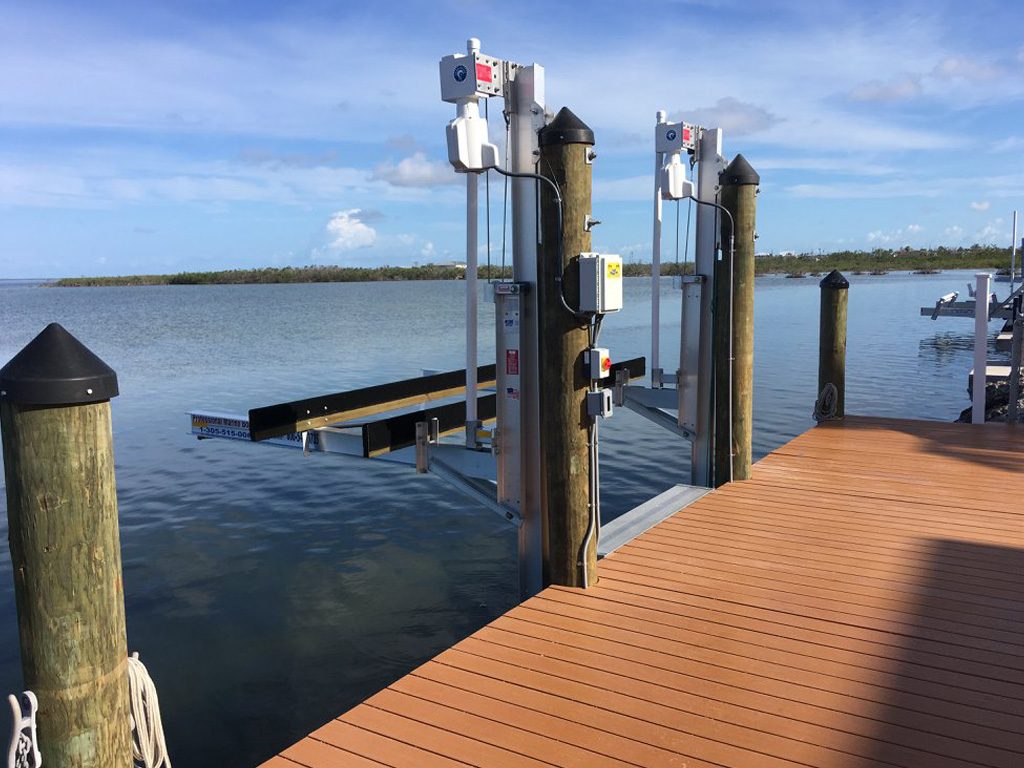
[(481, 492), (426, 435)]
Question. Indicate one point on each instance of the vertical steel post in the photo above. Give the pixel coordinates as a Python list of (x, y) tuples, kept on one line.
[(472, 239), (656, 372), (709, 164), (1016, 349), (526, 118), (981, 299), (1013, 253)]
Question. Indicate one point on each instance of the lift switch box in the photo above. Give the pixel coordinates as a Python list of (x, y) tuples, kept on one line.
[(600, 282), (600, 404), (598, 363)]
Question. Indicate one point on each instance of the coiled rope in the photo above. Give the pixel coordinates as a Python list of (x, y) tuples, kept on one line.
[(149, 749), (827, 403)]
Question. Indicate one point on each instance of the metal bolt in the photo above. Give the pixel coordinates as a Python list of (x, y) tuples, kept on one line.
[(88, 391)]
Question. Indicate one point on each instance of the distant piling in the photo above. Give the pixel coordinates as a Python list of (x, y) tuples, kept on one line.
[(565, 473), (65, 548), (835, 290)]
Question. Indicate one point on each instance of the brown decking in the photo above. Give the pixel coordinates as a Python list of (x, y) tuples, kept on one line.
[(858, 603)]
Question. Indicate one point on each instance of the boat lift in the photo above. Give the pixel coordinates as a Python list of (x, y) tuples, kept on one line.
[(478, 428), (688, 391)]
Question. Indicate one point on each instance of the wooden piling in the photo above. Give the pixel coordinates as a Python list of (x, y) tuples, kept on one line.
[(832, 338), (565, 472), (734, 316), (65, 549)]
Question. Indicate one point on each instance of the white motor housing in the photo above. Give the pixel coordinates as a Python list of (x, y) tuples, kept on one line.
[(674, 184), (468, 147)]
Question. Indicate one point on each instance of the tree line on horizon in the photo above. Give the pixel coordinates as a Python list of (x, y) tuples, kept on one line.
[(877, 260)]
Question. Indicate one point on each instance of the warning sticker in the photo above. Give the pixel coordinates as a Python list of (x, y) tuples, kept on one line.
[(614, 269), (512, 362), (484, 74)]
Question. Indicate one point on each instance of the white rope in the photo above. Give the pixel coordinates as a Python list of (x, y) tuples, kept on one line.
[(149, 750), (827, 403)]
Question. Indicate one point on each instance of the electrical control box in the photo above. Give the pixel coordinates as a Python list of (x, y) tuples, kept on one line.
[(600, 282), (675, 137), (600, 404), (598, 363), (471, 75)]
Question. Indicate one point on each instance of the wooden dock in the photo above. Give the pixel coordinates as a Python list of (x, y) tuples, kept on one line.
[(859, 602)]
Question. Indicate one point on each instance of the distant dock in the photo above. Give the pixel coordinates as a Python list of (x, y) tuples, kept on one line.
[(856, 603)]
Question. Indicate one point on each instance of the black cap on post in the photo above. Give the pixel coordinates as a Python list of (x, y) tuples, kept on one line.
[(55, 368), (835, 281), (566, 128), (739, 173)]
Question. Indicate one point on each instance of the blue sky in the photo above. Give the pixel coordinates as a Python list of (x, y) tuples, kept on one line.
[(152, 137)]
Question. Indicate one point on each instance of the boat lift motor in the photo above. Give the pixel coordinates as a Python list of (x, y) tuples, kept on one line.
[(465, 79)]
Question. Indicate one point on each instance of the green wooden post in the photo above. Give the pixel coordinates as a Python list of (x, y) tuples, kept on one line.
[(65, 550), (565, 474), (832, 337)]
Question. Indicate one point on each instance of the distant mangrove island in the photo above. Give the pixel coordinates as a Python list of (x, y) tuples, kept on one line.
[(878, 261)]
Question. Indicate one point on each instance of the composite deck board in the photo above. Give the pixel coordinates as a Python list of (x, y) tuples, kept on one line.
[(859, 602)]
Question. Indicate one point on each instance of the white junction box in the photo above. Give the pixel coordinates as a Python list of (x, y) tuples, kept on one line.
[(598, 362), (675, 137), (470, 75), (600, 282)]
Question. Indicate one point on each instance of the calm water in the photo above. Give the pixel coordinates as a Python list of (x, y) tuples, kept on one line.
[(268, 592)]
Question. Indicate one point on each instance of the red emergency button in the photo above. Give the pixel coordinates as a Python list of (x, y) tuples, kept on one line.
[(606, 364)]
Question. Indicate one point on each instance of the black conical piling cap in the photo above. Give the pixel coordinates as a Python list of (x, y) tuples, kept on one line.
[(835, 281), (738, 173), (566, 128), (55, 368)]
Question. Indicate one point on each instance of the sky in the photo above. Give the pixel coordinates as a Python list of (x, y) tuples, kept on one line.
[(207, 134)]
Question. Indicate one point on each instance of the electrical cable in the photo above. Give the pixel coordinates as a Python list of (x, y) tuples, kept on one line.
[(686, 242), (487, 201), (732, 251), (594, 327), (677, 237), (558, 239), (504, 202)]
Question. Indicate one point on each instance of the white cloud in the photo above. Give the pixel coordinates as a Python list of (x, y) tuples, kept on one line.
[(955, 232), (427, 250), (898, 237), (345, 231), (865, 190), (736, 117), (963, 68), (416, 171), (984, 205), (901, 89), (1009, 144), (995, 231)]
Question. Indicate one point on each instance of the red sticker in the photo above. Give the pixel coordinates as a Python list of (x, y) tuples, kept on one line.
[(686, 134), (512, 362), (484, 74)]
